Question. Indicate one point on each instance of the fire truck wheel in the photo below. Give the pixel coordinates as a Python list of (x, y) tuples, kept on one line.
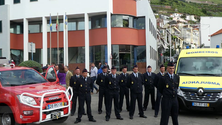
[(6, 116), (61, 120)]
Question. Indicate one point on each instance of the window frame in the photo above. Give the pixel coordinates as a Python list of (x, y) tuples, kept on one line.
[(1, 26), (3, 2), (16, 1)]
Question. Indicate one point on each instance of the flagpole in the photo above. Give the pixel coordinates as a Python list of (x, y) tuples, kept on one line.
[(50, 52), (57, 38), (66, 63)]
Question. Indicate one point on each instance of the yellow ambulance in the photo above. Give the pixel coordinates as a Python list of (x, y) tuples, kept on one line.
[(200, 72)]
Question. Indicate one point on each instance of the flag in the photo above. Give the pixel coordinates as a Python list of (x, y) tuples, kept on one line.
[(57, 23), (50, 22), (66, 22)]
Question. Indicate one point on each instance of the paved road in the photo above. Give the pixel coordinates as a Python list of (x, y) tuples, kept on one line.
[(185, 118)]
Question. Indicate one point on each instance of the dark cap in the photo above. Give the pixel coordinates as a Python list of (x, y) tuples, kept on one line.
[(77, 67), (162, 66), (124, 67), (104, 67), (45, 67), (149, 66), (84, 70), (135, 66), (170, 64), (113, 67)]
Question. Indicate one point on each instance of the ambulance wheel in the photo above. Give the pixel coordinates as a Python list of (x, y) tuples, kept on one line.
[(6, 116), (60, 120)]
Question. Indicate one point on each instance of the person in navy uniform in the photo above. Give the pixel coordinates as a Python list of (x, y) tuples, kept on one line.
[(75, 91), (84, 86), (101, 79), (113, 88), (149, 81), (159, 95), (168, 86), (44, 69), (124, 90), (135, 83)]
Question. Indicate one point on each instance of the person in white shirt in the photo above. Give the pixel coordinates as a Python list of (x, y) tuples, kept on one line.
[(93, 75)]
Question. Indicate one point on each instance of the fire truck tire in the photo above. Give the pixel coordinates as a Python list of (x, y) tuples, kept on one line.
[(61, 120), (6, 116)]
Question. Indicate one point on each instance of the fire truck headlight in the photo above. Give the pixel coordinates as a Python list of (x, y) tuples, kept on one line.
[(27, 100)]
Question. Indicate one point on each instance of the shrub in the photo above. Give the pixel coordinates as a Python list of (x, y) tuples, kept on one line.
[(32, 64)]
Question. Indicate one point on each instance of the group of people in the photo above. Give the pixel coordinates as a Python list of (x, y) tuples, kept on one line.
[(114, 87)]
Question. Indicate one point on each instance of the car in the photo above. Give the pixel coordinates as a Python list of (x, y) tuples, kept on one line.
[(28, 97)]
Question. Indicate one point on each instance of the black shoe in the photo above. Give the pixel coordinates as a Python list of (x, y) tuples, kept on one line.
[(120, 118), (144, 109), (143, 116), (92, 120), (77, 121), (128, 110), (153, 108), (84, 113), (155, 116), (99, 112), (131, 117), (120, 110), (107, 119), (72, 114)]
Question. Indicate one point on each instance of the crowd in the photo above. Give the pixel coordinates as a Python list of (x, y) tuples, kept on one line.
[(114, 87)]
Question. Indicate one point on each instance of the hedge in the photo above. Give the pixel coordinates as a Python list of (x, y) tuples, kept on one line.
[(31, 64)]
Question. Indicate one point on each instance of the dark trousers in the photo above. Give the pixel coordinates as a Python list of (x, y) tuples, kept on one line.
[(139, 98), (169, 107), (149, 91), (93, 80), (85, 98), (157, 104), (74, 101), (124, 91), (102, 94), (112, 96)]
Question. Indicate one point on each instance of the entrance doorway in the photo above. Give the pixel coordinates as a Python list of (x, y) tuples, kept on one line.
[(124, 60)]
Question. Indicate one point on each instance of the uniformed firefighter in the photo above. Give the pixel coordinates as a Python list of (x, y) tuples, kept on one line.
[(135, 83), (159, 95), (149, 80), (84, 86), (124, 90), (113, 88), (75, 91), (168, 86), (101, 79)]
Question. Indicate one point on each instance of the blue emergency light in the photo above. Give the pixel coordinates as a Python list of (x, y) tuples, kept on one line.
[(217, 46), (187, 47)]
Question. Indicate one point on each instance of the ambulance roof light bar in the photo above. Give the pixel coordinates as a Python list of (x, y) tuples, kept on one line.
[(187, 47)]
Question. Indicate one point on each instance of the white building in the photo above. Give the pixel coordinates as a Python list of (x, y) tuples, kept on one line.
[(190, 18), (119, 32), (216, 39), (209, 25)]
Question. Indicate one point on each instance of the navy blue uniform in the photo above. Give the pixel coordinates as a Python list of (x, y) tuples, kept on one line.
[(136, 91), (84, 86), (159, 95), (168, 88), (75, 92), (149, 81), (124, 91), (101, 81), (112, 83)]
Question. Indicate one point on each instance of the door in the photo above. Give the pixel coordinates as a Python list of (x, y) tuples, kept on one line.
[(51, 75)]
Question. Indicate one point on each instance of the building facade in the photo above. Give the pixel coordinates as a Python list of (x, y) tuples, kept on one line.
[(119, 32)]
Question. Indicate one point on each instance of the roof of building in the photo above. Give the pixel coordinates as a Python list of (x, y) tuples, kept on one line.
[(217, 33)]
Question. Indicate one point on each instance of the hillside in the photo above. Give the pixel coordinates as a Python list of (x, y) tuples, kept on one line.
[(171, 6)]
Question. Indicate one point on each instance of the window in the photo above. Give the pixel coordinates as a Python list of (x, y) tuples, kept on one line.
[(117, 21), (0, 26), (33, 0), (2, 2), (81, 25), (71, 26), (77, 55), (139, 23), (99, 21), (16, 1), (34, 28)]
